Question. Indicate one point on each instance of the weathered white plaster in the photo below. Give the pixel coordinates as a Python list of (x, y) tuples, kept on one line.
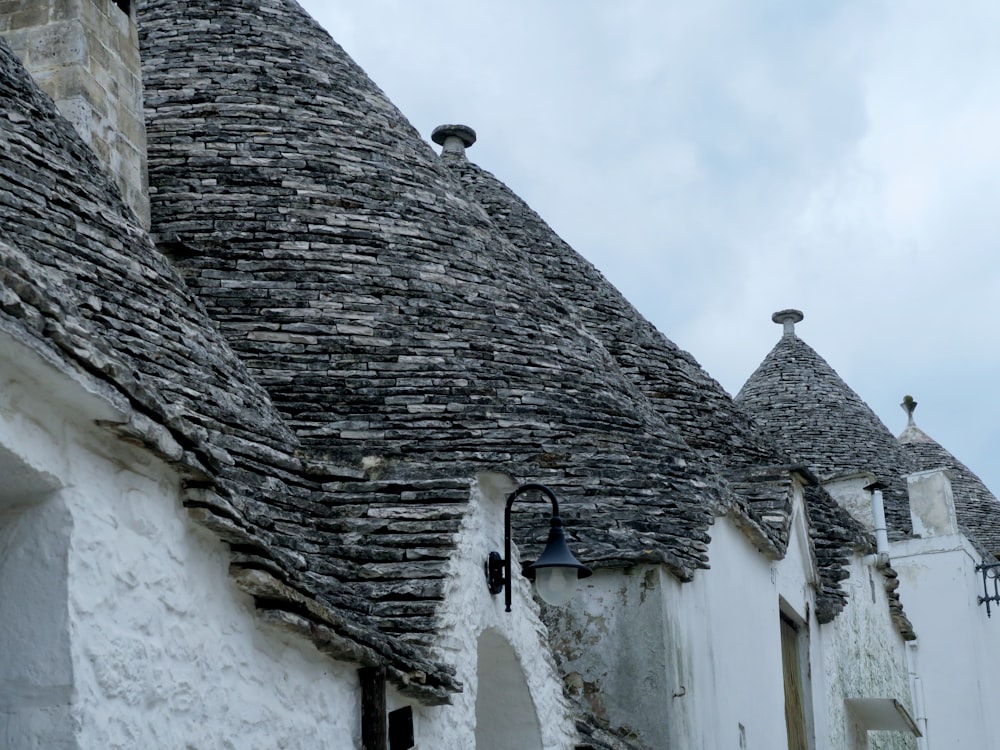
[(796, 575), (154, 646), (850, 493), (958, 647), (167, 652), (692, 665), (505, 714), (488, 645), (36, 672), (864, 658), (699, 664), (932, 504)]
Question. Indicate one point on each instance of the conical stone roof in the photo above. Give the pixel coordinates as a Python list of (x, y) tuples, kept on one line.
[(82, 284), (392, 324), (976, 508), (814, 416), (680, 391), (678, 387)]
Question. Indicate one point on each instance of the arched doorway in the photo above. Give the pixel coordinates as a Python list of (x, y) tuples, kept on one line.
[(505, 714)]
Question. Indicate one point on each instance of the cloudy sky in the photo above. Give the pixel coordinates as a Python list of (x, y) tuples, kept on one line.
[(724, 159)]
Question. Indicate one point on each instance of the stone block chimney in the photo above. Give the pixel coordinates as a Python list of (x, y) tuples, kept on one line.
[(932, 503), (85, 55)]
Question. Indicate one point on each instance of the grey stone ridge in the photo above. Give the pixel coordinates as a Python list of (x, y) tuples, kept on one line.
[(834, 535), (757, 474), (976, 508), (82, 284), (813, 416), (594, 735), (890, 580), (384, 313)]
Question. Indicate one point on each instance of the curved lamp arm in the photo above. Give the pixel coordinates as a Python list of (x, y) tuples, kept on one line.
[(555, 555), (506, 529)]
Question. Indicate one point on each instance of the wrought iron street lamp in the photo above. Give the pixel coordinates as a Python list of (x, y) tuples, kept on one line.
[(555, 573)]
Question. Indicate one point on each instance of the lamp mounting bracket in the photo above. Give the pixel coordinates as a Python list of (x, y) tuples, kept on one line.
[(991, 572)]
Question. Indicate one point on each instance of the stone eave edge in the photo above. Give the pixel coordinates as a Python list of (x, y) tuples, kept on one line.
[(896, 612), (863, 543), (597, 734), (769, 539), (773, 542), (40, 324), (615, 559), (761, 537)]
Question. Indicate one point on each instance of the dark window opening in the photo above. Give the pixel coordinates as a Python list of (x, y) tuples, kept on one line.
[(125, 5), (401, 729)]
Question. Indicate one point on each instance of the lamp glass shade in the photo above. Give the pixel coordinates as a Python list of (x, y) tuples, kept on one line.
[(556, 585), (556, 572)]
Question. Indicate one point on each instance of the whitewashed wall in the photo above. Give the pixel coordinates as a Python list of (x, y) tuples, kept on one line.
[(698, 664), (693, 665), (154, 646), (958, 647), (865, 657), (35, 683), (120, 628), (513, 693)]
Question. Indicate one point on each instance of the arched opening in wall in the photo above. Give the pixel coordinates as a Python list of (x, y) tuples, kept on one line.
[(505, 713), (36, 673)]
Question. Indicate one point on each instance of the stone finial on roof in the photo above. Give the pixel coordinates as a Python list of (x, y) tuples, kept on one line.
[(453, 139), (788, 318), (912, 434)]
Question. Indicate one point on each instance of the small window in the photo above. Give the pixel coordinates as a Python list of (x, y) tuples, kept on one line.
[(125, 5), (401, 729)]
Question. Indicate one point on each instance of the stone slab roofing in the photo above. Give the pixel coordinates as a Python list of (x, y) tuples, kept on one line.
[(976, 508), (758, 475), (673, 381), (82, 284), (595, 736), (390, 321), (815, 417)]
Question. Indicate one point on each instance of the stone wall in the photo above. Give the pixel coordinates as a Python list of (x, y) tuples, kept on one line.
[(85, 55)]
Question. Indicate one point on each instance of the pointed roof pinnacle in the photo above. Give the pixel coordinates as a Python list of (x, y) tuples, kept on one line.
[(453, 139), (911, 433), (788, 318)]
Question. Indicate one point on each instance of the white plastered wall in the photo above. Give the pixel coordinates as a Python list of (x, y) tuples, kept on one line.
[(683, 665), (865, 657), (699, 665), (161, 648), (535, 713), (35, 683), (958, 646)]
